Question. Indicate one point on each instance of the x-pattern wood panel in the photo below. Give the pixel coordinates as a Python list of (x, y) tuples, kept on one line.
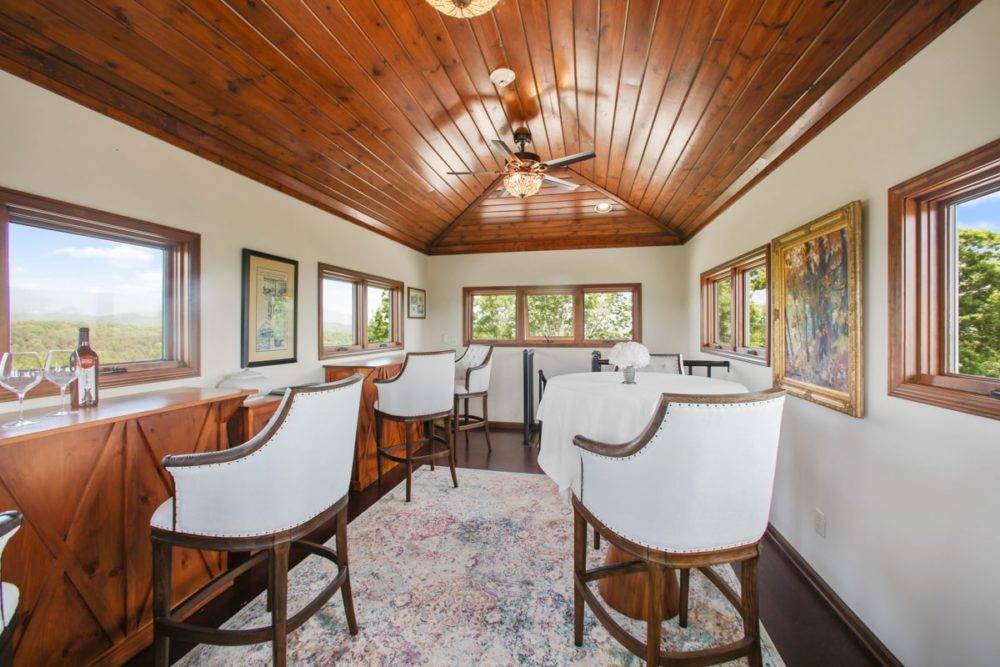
[(361, 107), (83, 562)]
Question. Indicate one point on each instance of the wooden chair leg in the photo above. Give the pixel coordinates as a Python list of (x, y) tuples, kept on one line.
[(454, 421), (750, 611), (579, 566), (654, 619), (466, 422), (452, 459), (429, 435), (682, 616), (270, 590), (597, 540), (409, 463), (345, 589), (486, 422), (378, 447), (278, 564), (162, 569)]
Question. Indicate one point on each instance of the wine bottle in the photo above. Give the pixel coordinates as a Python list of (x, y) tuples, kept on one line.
[(85, 388)]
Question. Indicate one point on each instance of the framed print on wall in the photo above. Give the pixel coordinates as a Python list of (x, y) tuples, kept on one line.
[(270, 309), (416, 303), (817, 311)]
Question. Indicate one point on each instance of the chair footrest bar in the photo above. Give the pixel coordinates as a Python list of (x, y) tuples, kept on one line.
[(603, 571)]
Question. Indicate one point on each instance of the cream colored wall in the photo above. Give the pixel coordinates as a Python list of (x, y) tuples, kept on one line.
[(661, 270), (53, 147), (911, 492)]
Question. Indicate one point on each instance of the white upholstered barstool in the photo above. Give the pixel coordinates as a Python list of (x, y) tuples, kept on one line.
[(472, 380), (9, 523), (265, 495), (421, 393), (693, 490)]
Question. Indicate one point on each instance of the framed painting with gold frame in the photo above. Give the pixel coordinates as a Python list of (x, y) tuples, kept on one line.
[(270, 309), (816, 287)]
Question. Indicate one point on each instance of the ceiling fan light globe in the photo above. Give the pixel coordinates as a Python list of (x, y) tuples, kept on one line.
[(522, 184), (463, 9)]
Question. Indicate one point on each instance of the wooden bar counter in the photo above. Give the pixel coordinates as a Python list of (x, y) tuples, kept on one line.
[(87, 484), (365, 452)]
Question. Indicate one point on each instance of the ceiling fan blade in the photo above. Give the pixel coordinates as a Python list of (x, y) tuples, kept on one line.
[(561, 182), (570, 159), (508, 151), (472, 173)]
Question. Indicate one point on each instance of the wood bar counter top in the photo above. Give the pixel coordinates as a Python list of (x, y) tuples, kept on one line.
[(365, 453), (87, 484)]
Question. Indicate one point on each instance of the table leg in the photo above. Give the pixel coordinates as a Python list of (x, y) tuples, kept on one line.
[(628, 593)]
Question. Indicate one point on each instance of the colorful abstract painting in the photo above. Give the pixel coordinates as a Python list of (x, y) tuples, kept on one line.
[(817, 311)]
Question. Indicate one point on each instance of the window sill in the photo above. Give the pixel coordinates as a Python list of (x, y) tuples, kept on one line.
[(761, 360), (587, 344), (357, 352), (112, 381), (980, 405)]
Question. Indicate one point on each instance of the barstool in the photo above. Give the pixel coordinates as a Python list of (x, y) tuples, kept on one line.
[(472, 380), (265, 495), (420, 393), (9, 523)]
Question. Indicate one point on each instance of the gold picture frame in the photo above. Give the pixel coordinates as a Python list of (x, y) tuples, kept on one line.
[(817, 302), (270, 327)]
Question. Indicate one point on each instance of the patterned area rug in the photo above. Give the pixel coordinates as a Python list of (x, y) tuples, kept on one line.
[(478, 575)]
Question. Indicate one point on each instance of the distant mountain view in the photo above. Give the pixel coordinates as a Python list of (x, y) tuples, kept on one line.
[(117, 338)]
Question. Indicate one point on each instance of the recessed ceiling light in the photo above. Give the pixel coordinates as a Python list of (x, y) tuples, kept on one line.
[(502, 77), (604, 207)]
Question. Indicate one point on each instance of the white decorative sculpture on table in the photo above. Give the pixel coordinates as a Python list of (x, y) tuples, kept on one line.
[(628, 357)]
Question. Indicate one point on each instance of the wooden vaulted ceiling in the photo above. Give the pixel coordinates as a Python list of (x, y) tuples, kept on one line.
[(360, 107)]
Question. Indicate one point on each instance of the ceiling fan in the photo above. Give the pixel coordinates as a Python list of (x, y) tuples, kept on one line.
[(523, 171)]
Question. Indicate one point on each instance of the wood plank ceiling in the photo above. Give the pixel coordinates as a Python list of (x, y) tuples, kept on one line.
[(360, 107)]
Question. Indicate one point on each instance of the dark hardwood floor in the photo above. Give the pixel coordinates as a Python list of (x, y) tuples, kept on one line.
[(805, 630)]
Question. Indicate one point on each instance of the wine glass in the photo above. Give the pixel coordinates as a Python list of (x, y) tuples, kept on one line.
[(60, 370), (20, 372)]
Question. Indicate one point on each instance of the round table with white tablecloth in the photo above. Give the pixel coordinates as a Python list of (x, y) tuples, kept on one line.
[(599, 406)]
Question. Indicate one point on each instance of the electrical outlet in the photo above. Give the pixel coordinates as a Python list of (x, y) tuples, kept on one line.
[(819, 522)]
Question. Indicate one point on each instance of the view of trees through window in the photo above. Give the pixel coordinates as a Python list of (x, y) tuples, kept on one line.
[(550, 315), (61, 281), (379, 315), (723, 311), (338, 313), (978, 299), (607, 315), (494, 317), (755, 302)]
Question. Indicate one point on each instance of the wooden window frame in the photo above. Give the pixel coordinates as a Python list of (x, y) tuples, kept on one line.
[(182, 312), (521, 294), (735, 271), (919, 247), (361, 282)]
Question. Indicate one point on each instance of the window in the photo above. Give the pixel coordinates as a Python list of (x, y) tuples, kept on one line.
[(734, 308), (358, 312), (133, 283), (573, 315), (944, 281)]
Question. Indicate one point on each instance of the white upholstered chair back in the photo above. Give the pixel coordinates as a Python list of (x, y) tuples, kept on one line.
[(472, 370), (665, 363), (298, 466), (10, 523), (699, 478), (425, 386)]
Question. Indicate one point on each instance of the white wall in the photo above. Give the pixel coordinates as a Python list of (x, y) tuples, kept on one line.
[(53, 147), (911, 492), (661, 270)]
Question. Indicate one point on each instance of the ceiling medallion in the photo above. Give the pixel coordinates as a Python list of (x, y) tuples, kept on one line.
[(463, 9), (604, 207), (502, 77)]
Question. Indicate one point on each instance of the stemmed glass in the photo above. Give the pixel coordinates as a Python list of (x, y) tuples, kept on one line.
[(60, 370), (20, 372)]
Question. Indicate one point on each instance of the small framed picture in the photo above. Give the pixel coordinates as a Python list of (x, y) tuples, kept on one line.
[(270, 309), (416, 300)]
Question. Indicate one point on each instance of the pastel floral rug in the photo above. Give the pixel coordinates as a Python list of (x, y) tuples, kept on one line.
[(478, 575)]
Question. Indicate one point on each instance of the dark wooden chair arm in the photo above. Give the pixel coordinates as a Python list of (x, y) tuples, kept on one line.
[(253, 444), (470, 369), (9, 521)]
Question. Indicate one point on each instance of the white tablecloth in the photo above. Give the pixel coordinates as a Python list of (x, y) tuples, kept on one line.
[(599, 406)]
